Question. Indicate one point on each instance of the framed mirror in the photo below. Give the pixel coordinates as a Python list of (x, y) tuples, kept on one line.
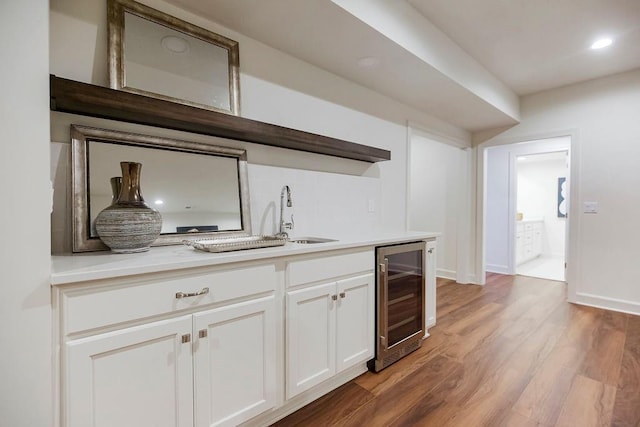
[(201, 190), (154, 54)]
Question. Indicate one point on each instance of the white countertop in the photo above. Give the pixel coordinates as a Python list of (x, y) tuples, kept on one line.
[(67, 269)]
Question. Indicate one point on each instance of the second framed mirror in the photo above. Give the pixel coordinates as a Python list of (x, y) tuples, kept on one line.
[(155, 54)]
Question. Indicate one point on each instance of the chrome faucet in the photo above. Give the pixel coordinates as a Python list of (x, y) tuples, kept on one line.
[(284, 226)]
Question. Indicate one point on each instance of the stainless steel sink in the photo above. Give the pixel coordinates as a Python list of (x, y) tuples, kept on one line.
[(310, 240)]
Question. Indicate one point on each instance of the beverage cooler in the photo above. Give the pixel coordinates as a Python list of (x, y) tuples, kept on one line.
[(400, 302)]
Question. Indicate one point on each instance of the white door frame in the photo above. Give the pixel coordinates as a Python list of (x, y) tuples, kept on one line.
[(571, 243)]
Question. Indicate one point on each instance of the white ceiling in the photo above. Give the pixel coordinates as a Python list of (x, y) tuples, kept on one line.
[(534, 45), (512, 47)]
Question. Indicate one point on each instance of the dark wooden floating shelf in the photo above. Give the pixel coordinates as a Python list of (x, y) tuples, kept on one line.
[(70, 96)]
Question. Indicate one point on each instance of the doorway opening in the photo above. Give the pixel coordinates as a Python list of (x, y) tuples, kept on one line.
[(526, 199), (541, 206)]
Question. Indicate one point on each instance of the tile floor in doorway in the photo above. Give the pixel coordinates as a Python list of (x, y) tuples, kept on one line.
[(544, 267)]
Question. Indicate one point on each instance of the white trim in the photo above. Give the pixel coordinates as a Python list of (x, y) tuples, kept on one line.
[(500, 269), (440, 137), (572, 245), (463, 240), (446, 274), (614, 304), (407, 186)]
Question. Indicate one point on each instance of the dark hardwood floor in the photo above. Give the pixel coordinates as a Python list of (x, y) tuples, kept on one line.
[(511, 353)]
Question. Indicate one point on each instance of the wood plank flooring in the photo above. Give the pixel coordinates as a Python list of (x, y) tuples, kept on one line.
[(511, 353)]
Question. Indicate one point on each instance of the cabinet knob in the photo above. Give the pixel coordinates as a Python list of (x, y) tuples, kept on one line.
[(342, 294), (430, 250), (186, 338), (203, 291), (334, 297)]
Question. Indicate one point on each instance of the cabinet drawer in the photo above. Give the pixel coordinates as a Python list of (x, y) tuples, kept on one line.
[(308, 270), (98, 306)]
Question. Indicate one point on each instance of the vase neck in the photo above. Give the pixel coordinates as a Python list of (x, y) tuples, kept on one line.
[(130, 191)]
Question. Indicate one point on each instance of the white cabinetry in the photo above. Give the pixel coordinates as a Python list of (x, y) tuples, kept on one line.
[(130, 352), (135, 376), (234, 362), (430, 285), (329, 324), (214, 353), (528, 240)]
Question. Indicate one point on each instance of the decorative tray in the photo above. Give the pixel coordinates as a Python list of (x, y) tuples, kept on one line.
[(227, 244)]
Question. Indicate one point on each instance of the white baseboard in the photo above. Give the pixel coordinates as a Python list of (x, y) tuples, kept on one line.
[(452, 275), (500, 269), (446, 274), (608, 303)]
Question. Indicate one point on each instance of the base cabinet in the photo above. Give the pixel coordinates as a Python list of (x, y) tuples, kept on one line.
[(234, 362), (220, 362), (171, 351), (329, 329), (528, 240), (241, 344), (137, 376), (430, 285)]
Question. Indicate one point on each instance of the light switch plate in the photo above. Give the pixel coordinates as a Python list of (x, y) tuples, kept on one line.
[(590, 207)]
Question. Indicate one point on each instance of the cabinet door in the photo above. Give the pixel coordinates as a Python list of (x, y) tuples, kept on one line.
[(311, 326), (235, 362), (355, 323), (537, 239), (519, 247), (138, 376)]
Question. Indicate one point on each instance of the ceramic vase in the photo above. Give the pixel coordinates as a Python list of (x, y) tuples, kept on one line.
[(129, 225), (116, 186)]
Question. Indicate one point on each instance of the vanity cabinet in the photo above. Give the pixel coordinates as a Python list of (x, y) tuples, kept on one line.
[(134, 353), (528, 240), (330, 321)]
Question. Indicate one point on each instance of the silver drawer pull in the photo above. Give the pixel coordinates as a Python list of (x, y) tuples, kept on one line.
[(202, 291)]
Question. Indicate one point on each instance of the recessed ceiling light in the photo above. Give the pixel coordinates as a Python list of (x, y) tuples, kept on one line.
[(175, 44), (600, 43), (368, 62)]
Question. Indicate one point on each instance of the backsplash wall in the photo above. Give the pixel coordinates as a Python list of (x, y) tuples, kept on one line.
[(325, 204)]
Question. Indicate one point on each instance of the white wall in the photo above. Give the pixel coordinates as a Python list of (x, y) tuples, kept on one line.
[(275, 88), (602, 115), (25, 310), (538, 199), (438, 193)]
